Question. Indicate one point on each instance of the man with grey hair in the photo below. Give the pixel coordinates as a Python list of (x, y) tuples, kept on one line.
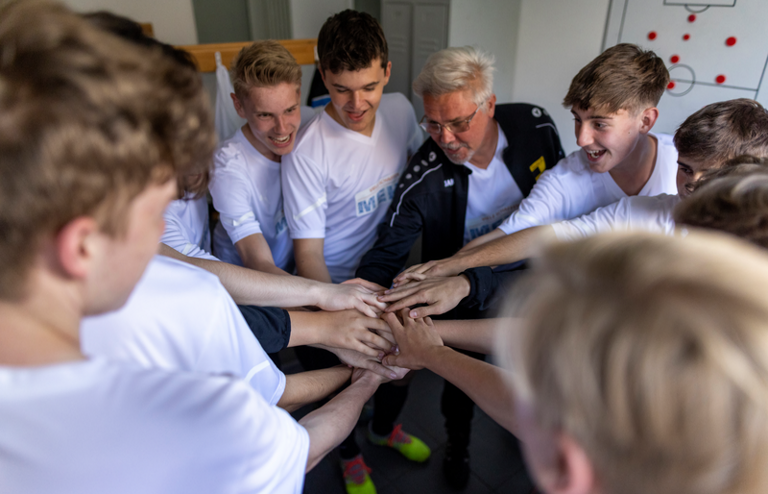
[(481, 161)]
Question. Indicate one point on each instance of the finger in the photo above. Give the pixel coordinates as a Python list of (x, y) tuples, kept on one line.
[(400, 292), (430, 310), (392, 360), (372, 300), (415, 299), (362, 347), (409, 270), (365, 308), (394, 324), (365, 284), (409, 278), (378, 342), (378, 368)]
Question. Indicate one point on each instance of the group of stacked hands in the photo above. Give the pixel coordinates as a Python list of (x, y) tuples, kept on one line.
[(631, 361)]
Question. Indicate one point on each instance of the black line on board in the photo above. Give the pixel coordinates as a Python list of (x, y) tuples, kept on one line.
[(623, 16)]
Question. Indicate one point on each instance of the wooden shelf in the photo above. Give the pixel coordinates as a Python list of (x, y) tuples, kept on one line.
[(303, 50)]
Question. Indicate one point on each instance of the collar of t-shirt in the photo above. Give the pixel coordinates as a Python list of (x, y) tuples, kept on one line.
[(493, 194), (351, 134)]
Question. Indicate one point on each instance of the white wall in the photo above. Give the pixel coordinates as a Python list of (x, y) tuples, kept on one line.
[(172, 20), (308, 16), (555, 40), (490, 25)]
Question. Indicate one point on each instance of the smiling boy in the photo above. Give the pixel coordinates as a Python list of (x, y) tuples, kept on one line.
[(246, 191), (337, 185)]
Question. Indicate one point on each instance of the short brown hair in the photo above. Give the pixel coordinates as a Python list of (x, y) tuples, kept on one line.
[(623, 77), (87, 121), (351, 40), (724, 130), (732, 200), (263, 64), (652, 353)]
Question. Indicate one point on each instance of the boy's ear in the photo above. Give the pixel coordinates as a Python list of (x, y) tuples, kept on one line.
[(76, 246), (387, 73), (648, 119), (574, 473), (238, 106)]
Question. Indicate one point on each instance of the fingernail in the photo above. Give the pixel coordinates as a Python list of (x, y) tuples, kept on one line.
[(393, 375), (413, 314), (386, 292), (397, 350), (381, 355)]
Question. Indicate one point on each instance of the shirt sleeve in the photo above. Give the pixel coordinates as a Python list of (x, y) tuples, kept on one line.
[(304, 196), (547, 203), (231, 346), (270, 325), (231, 195), (612, 217), (174, 237)]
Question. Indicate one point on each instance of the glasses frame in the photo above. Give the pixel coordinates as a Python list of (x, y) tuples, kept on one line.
[(450, 127)]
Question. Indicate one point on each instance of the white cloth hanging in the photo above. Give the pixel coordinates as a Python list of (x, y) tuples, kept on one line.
[(227, 120)]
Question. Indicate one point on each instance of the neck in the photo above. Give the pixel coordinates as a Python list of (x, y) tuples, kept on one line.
[(635, 170), (484, 155), (258, 145), (42, 328)]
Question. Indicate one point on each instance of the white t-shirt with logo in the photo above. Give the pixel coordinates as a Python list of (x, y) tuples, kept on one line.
[(642, 213), (572, 189), (180, 317), (100, 426), (493, 194), (186, 228), (338, 184), (246, 192)]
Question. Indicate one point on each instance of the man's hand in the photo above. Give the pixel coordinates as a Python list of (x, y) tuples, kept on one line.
[(441, 295), (353, 330), (360, 361), (351, 296), (442, 268), (417, 341)]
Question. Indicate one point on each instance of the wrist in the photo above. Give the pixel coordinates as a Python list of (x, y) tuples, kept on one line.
[(465, 287)]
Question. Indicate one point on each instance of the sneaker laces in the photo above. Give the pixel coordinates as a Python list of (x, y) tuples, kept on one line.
[(397, 436), (355, 469)]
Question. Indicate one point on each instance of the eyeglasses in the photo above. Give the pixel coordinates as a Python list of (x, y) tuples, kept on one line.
[(454, 128)]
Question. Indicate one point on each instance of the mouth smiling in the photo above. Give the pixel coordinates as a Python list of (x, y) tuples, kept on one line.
[(279, 141), (595, 155)]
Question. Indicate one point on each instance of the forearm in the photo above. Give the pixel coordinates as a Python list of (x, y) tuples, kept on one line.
[(503, 250), (305, 328), (308, 387), (483, 239), (475, 335), (250, 287), (484, 383), (330, 424), (311, 265)]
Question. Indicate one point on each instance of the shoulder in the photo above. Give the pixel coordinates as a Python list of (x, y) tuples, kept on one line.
[(397, 108), (231, 152), (171, 279), (311, 135), (522, 117), (427, 169)]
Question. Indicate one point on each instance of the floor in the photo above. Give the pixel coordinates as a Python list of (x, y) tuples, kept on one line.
[(495, 460)]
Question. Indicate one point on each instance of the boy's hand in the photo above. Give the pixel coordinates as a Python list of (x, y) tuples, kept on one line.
[(353, 330), (374, 287), (441, 295), (432, 269), (350, 296), (417, 340), (375, 378), (360, 361)]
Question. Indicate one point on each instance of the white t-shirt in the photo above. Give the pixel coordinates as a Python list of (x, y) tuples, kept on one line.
[(246, 192), (338, 183), (651, 214), (493, 194), (186, 228), (572, 189), (180, 317), (100, 426)]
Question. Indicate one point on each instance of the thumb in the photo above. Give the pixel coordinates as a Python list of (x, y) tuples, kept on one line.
[(391, 360)]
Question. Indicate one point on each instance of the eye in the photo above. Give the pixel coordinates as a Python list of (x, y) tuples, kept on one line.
[(263, 116), (291, 110), (341, 91), (600, 125)]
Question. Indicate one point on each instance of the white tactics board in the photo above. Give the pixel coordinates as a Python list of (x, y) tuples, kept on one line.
[(715, 50)]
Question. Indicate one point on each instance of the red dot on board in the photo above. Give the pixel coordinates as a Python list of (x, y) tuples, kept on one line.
[(720, 79), (671, 85), (652, 35), (691, 17), (731, 41), (674, 59), (686, 37)]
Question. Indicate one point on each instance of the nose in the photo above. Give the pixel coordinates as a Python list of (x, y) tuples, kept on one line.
[(281, 126), (446, 136), (583, 135), (357, 100)]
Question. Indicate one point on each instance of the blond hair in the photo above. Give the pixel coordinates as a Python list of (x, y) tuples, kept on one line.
[(87, 121), (623, 77), (652, 353), (263, 64)]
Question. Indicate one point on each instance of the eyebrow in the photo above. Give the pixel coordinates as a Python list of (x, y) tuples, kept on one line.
[(593, 117), (374, 83), (683, 163)]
